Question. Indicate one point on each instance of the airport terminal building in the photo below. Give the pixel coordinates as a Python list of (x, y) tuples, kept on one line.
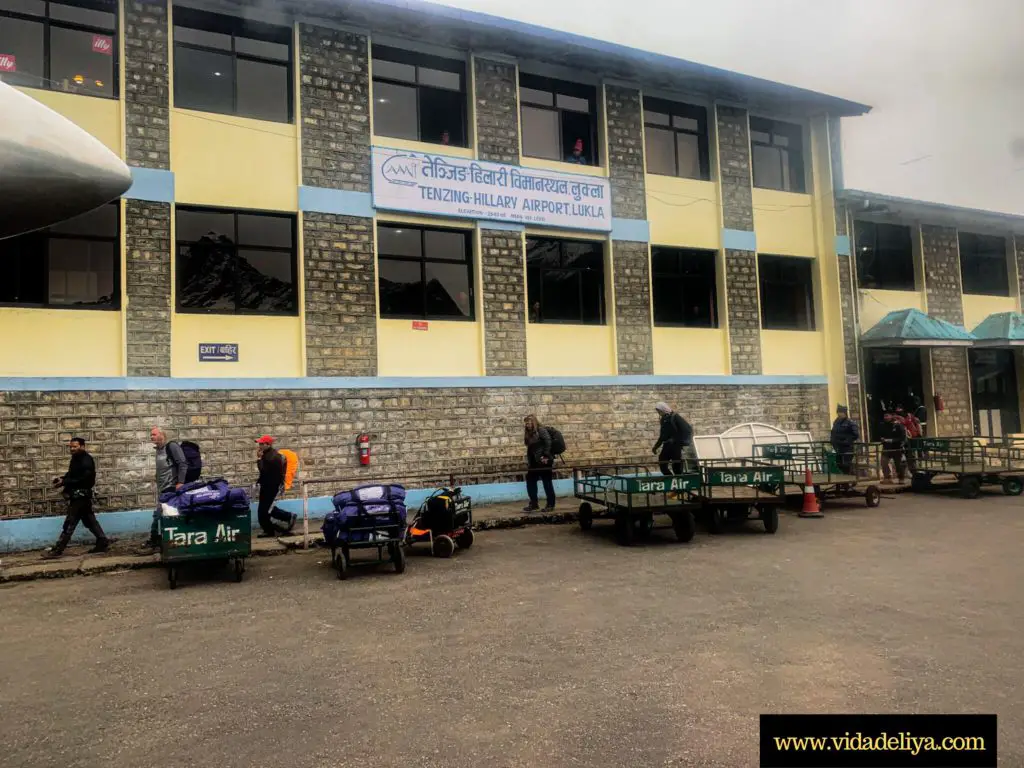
[(395, 218)]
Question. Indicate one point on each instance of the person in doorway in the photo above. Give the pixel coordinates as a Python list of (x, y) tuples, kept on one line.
[(577, 157), (845, 433), (913, 427), (675, 441), (78, 483), (539, 463), (171, 467), (271, 465), (893, 435), (921, 414)]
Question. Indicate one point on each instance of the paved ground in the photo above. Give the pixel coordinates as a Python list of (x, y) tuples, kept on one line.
[(538, 647)]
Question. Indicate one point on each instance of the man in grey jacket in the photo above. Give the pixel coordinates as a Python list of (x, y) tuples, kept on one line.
[(171, 467)]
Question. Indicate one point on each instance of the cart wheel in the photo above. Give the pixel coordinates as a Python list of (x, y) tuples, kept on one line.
[(586, 516), (1013, 486), (716, 520), (465, 539), (919, 483), (644, 526), (970, 486), (685, 525), (770, 517), (172, 577), (872, 496), (341, 564), (397, 557), (443, 546), (624, 530)]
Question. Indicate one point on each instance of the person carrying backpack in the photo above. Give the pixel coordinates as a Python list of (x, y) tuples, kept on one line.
[(273, 469), (171, 473), (674, 439), (539, 463)]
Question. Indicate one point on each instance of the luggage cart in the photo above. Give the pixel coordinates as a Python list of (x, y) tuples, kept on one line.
[(851, 474), (733, 491), (632, 495), (369, 532), (208, 536), (970, 463), (444, 521)]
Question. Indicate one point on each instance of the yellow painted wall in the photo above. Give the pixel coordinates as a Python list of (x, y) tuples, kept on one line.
[(267, 346), (977, 308), (555, 165), (570, 350), (784, 222), (683, 212), (875, 304), (234, 162), (795, 353), (420, 146), (100, 117), (449, 348), (679, 351), (60, 342)]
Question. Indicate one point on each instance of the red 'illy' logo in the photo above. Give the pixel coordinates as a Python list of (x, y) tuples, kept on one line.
[(8, 63), (102, 44)]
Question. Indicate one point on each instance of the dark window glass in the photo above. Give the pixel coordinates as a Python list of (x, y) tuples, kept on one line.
[(676, 139), (776, 152), (61, 47), (787, 293), (419, 97), (74, 264), (885, 256), (425, 273), (232, 66), (235, 263), (684, 288), (555, 115), (983, 264), (565, 281)]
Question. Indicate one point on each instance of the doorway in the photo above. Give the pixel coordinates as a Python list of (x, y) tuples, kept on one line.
[(892, 378), (994, 392)]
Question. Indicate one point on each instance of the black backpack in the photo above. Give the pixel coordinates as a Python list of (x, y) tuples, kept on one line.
[(557, 441), (193, 458)]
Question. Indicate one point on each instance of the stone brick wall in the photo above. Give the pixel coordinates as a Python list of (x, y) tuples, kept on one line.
[(626, 152), (632, 270), (497, 111), (341, 302), (942, 273), (146, 84), (744, 311), (951, 379), (504, 302), (335, 104), (734, 161), (148, 285), (416, 431), (1018, 245)]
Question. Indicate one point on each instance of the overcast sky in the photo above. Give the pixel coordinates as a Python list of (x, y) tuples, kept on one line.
[(945, 78)]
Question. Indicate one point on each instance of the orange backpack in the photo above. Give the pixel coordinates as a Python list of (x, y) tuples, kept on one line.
[(291, 466)]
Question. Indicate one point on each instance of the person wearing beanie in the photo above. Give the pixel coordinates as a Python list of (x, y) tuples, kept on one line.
[(845, 433), (78, 483), (577, 157), (675, 437), (271, 465)]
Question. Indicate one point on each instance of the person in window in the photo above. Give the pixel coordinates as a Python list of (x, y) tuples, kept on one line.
[(535, 312), (674, 440), (446, 138), (893, 435), (577, 155), (271, 466), (78, 483), (539, 462), (844, 434)]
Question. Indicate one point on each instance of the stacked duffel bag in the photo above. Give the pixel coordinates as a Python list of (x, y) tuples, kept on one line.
[(369, 505), (207, 497)]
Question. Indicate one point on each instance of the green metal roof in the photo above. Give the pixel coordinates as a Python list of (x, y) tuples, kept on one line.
[(1005, 329), (913, 328)]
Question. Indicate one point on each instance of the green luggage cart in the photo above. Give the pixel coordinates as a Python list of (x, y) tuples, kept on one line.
[(208, 537)]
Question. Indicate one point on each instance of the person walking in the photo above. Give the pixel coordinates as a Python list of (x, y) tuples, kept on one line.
[(845, 433), (674, 440), (272, 466), (893, 435), (913, 427), (539, 463), (78, 483), (171, 468)]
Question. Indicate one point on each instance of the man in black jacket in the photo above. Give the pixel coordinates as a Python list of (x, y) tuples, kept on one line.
[(78, 483), (675, 437), (271, 466), (844, 434), (893, 435)]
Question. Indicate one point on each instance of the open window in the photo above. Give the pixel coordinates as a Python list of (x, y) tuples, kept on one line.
[(559, 120), (983, 264), (787, 293), (683, 287), (885, 256)]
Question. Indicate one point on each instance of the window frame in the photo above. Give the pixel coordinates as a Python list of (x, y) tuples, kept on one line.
[(681, 253), (45, 235), (679, 109), (234, 27), (808, 293), (45, 20), (769, 125), (1003, 259), (556, 86), (858, 244), (562, 242), (235, 213), (429, 61), (423, 260)]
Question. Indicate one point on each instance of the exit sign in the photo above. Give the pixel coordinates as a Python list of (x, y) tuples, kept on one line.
[(218, 353)]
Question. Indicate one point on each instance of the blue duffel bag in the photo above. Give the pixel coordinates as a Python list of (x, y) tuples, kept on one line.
[(338, 524), (370, 494), (215, 495)]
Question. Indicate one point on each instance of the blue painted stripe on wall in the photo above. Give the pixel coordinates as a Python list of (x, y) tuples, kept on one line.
[(739, 240), (339, 201), (843, 245), (638, 230), (151, 184), (508, 226), (116, 384)]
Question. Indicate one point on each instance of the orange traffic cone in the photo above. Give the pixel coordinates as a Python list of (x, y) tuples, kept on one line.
[(811, 508)]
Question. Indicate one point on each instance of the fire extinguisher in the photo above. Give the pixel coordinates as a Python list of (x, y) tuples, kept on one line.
[(363, 444), (940, 404)]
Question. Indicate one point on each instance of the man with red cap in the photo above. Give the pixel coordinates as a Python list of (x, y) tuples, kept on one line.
[(271, 466), (577, 155)]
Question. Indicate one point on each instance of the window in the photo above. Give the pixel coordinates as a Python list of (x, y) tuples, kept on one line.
[(777, 155), (885, 256), (232, 66), (565, 281), (983, 266), (787, 295), (235, 262), (60, 46), (558, 117), (73, 264), (419, 97), (684, 288), (425, 273), (676, 139)]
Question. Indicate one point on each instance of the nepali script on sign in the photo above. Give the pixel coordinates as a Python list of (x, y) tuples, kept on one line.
[(468, 189)]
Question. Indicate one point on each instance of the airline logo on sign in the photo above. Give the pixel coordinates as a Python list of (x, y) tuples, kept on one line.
[(8, 62), (102, 44)]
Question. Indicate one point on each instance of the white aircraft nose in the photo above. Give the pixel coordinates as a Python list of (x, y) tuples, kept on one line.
[(50, 169)]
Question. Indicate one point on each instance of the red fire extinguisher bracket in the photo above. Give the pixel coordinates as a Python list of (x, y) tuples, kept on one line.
[(363, 449)]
